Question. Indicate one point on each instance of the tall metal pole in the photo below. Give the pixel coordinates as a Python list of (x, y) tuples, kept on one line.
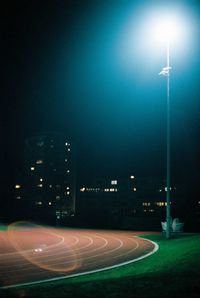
[(168, 217)]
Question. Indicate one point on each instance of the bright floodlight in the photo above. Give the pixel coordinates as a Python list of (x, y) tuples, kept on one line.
[(166, 30), (147, 32)]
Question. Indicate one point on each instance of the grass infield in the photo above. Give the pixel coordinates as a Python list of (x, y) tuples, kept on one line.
[(173, 271)]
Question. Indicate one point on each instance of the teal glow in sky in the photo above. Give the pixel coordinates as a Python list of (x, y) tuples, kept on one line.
[(90, 69)]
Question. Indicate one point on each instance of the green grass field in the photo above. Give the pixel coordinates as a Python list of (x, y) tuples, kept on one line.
[(173, 271)]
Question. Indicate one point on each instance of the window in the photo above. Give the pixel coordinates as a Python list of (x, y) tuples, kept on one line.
[(17, 186), (166, 188), (113, 182), (38, 203), (161, 204), (39, 161)]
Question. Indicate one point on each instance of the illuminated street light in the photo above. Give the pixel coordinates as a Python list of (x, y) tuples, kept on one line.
[(167, 32), (153, 28)]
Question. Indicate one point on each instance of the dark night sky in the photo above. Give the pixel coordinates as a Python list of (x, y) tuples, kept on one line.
[(64, 68)]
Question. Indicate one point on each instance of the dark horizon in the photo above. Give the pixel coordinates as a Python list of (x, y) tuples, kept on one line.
[(62, 72)]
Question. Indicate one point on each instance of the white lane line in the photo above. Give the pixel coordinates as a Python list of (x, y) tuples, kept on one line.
[(51, 246), (111, 251), (24, 266), (71, 261), (58, 258), (42, 256), (81, 259), (30, 250), (125, 253), (156, 247)]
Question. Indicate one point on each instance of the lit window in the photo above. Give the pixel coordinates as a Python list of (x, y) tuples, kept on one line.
[(161, 204), (113, 182), (68, 171), (32, 168), (68, 149), (67, 187), (49, 203), (50, 186), (68, 192), (38, 203), (134, 189), (82, 189), (166, 188), (17, 186), (132, 177), (65, 159), (39, 185), (57, 197), (39, 161), (41, 179), (18, 197)]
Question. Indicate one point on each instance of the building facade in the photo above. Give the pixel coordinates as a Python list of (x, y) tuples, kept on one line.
[(129, 202), (48, 191)]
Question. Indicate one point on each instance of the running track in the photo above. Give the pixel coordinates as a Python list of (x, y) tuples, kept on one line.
[(38, 254)]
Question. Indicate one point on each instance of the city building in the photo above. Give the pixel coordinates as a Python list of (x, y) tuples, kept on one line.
[(129, 202), (47, 191)]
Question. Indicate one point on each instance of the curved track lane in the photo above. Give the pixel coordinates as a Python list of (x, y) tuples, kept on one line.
[(32, 255)]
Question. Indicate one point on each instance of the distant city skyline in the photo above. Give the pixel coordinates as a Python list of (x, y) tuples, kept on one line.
[(67, 68)]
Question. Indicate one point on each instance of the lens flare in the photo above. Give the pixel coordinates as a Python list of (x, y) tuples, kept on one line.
[(44, 247)]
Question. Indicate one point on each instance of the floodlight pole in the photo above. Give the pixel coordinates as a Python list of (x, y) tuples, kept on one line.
[(168, 217)]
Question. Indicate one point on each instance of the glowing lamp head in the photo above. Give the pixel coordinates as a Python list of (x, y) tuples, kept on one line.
[(166, 30)]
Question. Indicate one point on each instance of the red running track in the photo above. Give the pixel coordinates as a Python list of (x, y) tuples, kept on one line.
[(38, 254)]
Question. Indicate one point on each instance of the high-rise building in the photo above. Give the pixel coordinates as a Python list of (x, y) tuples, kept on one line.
[(48, 190)]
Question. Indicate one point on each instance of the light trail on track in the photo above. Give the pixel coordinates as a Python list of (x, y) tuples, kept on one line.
[(36, 254)]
